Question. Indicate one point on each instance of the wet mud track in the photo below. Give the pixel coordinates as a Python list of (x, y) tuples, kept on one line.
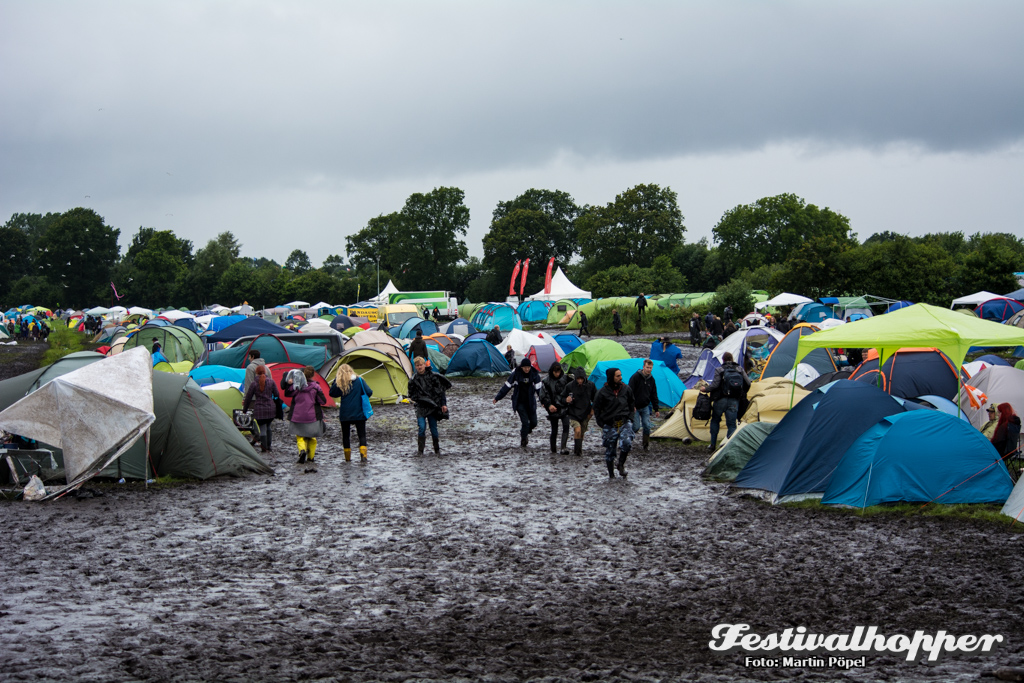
[(483, 563)]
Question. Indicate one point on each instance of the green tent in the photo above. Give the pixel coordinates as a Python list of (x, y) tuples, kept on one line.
[(272, 350), (560, 309), (386, 377), (177, 343), (734, 454), (593, 352), (192, 437), (438, 360), (919, 325)]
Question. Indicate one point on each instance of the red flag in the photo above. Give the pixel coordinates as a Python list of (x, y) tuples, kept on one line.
[(522, 281), (512, 282), (547, 278)]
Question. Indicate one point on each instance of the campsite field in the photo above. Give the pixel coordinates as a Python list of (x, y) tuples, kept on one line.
[(486, 563)]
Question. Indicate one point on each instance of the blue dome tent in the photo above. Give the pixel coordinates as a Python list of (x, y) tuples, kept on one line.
[(502, 315), (898, 305), (670, 387), (534, 311), (459, 326), (477, 358), (244, 328), (407, 330), (568, 342)]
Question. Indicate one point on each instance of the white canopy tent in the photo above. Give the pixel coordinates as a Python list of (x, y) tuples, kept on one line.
[(139, 309), (297, 304), (784, 299), (99, 310), (382, 297), (561, 288), (974, 299), (173, 315), (94, 413)]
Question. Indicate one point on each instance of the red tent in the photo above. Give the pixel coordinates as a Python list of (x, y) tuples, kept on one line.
[(541, 356), (278, 371)]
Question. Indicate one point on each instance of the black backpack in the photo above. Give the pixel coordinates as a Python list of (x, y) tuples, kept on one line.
[(732, 382), (702, 408)]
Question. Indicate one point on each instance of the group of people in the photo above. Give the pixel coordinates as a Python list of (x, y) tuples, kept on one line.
[(620, 409), (22, 328)]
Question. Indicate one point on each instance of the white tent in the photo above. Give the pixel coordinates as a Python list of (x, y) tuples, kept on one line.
[(297, 304), (318, 326), (784, 299), (998, 384), (561, 288), (243, 309), (321, 304), (139, 309), (94, 413), (99, 310), (173, 315), (1014, 506), (382, 298), (522, 341), (974, 299)]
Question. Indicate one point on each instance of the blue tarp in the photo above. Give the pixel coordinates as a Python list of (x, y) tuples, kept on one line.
[(219, 322), (669, 356), (477, 358), (246, 327), (801, 454), (534, 311), (920, 456), (212, 374), (670, 387), (568, 342)]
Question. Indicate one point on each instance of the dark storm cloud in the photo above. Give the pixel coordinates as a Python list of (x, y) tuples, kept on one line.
[(203, 97)]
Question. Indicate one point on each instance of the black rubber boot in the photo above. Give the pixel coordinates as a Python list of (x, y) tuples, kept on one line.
[(524, 442), (554, 442), (647, 440), (577, 447), (565, 440), (622, 467), (437, 446), (421, 441), (611, 470)]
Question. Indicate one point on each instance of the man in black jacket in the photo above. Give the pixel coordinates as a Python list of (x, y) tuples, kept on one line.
[(579, 397), (641, 306), (584, 330), (418, 346), (524, 383), (551, 392), (727, 389), (494, 336), (645, 397), (695, 331), (616, 322), (613, 409)]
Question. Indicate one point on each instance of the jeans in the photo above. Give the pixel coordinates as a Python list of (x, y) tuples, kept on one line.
[(642, 418), (730, 407), (612, 436), (360, 425), (421, 422), (528, 419)]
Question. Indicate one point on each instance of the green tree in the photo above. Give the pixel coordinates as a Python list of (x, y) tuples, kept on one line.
[(517, 236), (735, 293), (642, 222), (32, 225), (316, 285), (334, 265), (991, 262), (817, 267), (373, 244), (631, 279), (771, 229), (689, 259), (298, 262), (17, 259), (902, 269), (78, 251), (429, 248), (157, 268), (200, 283)]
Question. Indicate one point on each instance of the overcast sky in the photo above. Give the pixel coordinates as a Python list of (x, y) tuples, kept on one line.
[(292, 123)]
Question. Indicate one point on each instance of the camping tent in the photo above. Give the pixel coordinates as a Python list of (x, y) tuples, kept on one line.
[(670, 387), (760, 341), (735, 453), (802, 452), (542, 356), (477, 358), (246, 327), (781, 359), (588, 355), (561, 311), (919, 456), (973, 299), (703, 369), (534, 311), (915, 326), (568, 342), (411, 325), (502, 315), (272, 350), (94, 413), (910, 373), (279, 370), (521, 342), (177, 343), (219, 322), (784, 299), (814, 313), (215, 374), (385, 376), (998, 384), (459, 326), (386, 344), (898, 305), (561, 288), (999, 309)]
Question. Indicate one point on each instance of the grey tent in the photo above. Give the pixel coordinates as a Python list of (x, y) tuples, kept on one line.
[(734, 454)]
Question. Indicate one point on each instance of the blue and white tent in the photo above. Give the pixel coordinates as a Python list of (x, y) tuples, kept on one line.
[(670, 387)]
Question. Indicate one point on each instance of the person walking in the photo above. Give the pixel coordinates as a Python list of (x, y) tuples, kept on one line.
[(717, 328), (641, 306), (727, 313), (350, 389), (695, 331), (418, 346), (525, 384), (263, 397), (613, 410), (579, 397), (250, 370), (510, 357), (494, 336), (436, 313), (552, 388), (427, 390), (645, 397), (306, 421), (584, 330), (616, 322), (727, 389)]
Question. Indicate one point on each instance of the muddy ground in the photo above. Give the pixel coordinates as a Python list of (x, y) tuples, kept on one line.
[(485, 563)]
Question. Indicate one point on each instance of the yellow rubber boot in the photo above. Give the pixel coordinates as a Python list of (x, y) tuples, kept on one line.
[(348, 454), (362, 452), (311, 447), (300, 441)]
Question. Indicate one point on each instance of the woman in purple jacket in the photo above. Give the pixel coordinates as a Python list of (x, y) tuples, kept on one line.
[(306, 421), (263, 397)]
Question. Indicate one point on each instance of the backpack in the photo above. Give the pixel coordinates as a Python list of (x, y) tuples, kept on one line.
[(702, 408), (732, 382)]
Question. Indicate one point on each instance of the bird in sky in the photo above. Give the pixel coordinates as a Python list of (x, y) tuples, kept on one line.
[(88, 196)]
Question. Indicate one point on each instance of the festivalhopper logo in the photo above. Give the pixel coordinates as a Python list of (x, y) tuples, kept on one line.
[(852, 647)]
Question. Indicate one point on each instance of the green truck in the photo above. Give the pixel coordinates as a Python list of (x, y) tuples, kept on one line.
[(446, 304)]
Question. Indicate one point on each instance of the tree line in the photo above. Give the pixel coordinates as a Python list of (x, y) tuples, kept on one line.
[(634, 243)]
